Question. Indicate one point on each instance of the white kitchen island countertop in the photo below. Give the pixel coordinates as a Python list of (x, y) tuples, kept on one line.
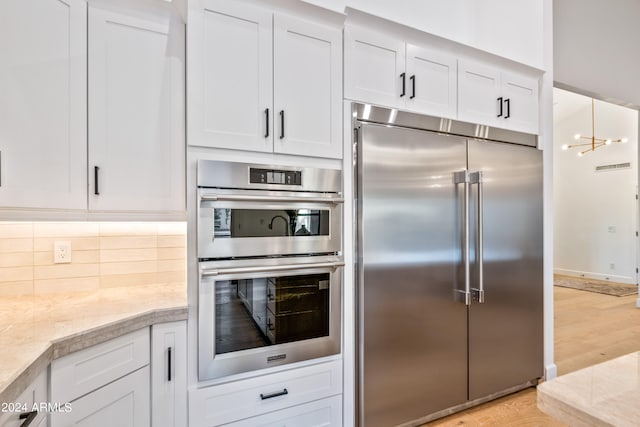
[(606, 394)]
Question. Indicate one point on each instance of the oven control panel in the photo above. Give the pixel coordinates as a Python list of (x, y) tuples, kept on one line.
[(272, 176)]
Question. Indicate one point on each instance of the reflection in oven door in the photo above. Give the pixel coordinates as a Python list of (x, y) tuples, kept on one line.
[(254, 313)]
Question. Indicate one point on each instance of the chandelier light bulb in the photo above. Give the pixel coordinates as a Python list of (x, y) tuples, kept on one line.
[(624, 140), (576, 136), (608, 142), (565, 147), (580, 154)]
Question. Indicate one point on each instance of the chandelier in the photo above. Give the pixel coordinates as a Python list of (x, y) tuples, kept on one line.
[(594, 142)]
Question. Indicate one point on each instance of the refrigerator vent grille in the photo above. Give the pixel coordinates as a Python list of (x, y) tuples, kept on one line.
[(613, 167)]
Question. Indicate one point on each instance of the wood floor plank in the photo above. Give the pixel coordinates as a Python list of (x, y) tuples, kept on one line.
[(589, 328)]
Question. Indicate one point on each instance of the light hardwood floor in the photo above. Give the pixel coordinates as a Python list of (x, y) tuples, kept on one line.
[(589, 328)]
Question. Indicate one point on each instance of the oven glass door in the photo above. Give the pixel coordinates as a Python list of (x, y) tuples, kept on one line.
[(263, 223), (256, 317)]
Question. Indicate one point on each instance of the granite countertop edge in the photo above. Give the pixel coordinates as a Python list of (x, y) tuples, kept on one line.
[(60, 347)]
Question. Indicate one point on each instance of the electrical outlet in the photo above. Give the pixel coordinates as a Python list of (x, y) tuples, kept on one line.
[(612, 266), (61, 251)]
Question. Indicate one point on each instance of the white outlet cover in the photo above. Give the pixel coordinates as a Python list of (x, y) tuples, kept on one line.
[(61, 251)]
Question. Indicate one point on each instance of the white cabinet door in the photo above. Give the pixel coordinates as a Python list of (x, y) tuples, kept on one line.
[(43, 104), (122, 403), (431, 82), (374, 66), (169, 374), (321, 413), (231, 77), (307, 88), (136, 113), (521, 95), (479, 98), (32, 397), (490, 96)]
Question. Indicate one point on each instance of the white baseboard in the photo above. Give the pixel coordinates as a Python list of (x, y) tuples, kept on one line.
[(550, 372), (597, 276)]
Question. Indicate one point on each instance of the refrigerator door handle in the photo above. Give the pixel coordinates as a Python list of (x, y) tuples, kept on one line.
[(463, 177), (478, 293)]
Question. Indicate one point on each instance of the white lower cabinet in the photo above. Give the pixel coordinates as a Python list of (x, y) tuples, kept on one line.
[(107, 384), (321, 413), (122, 403), (24, 406), (169, 374), (272, 398)]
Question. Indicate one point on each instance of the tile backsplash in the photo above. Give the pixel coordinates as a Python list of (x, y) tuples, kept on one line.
[(103, 255)]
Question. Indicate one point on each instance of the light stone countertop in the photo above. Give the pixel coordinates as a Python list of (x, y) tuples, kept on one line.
[(34, 330), (606, 394)]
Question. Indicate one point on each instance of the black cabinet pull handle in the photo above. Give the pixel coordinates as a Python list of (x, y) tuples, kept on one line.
[(272, 395), (413, 86), (402, 76), (500, 107), (266, 119), (508, 102), (96, 191), (169, 364), (281, 124), (28, 417)]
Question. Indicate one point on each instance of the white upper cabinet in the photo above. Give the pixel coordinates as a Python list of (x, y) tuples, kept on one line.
[(231, 77), (43, 104), (136, 113), (374, 64), (490, 96), (263, 82), (432, 82), (307, 88), (386, 71)]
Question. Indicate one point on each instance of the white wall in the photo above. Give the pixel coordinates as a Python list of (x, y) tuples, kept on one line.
[(508, 28), (588, 203), (595, 47)]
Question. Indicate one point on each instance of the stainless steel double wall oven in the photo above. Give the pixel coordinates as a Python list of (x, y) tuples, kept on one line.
[(270, 266)]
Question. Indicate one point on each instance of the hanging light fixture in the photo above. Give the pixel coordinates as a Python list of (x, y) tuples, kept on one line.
[(594, 142)]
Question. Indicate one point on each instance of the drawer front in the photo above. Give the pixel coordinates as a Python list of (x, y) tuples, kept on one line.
[(81, 372), (231, 402), (321, 413), (31, 398)]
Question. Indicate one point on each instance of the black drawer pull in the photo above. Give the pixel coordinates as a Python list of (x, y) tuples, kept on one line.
[(266, 119), (28, 417), (403, 77), (281, 124), (413, 86), (499, 107), (272, 395), (508, 102), (96, 191), (169, 364)]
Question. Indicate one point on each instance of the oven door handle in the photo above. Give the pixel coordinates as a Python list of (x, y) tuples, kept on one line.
[(286, 199), (265, 269)]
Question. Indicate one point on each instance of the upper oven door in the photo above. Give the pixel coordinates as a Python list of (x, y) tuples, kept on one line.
[(243, 223)]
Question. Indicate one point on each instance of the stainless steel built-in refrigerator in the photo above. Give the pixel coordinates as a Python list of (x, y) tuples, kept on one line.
[(449, 274)]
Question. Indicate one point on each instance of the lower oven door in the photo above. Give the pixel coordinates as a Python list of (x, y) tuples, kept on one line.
[(255, 317)]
